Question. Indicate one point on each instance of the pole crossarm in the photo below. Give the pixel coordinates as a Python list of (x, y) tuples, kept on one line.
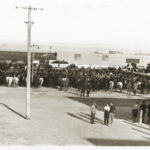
[(29, 22), (29, 7)]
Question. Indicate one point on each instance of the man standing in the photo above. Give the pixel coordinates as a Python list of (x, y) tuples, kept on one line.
[(111, 112), (143, 108), (83, 86), (106, 114), (135, 112), (93, 112), (88, 87)]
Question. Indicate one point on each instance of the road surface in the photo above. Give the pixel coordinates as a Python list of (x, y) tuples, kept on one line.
[(62, 118)]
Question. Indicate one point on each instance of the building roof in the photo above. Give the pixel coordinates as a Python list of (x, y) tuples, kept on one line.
[(22, 56)]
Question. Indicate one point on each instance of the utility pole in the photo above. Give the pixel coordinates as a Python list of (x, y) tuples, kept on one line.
[(50, 48), (142, 59), (50, 55), (29, 24), (34, 46), (46, 58)]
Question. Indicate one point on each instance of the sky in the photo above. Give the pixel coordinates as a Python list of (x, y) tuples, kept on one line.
[(107, 24)]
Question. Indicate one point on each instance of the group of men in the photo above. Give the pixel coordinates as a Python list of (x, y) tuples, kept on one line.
[(85, 80), (109, 111), (144, 109)]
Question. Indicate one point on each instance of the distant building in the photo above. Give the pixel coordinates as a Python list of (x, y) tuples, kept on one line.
[(79, 58), (133, 60), (103, 59), (21, 57), (115, 52)]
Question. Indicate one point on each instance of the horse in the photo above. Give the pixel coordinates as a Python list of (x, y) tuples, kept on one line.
[(111, 85), (15, 81), (9, 81), (139, 84), (64, 83), (120, 85), (41, 80)]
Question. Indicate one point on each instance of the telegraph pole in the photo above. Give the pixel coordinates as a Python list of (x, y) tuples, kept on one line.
[(50, 48), (29, 24)]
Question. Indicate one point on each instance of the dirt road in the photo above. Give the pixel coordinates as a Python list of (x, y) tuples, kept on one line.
[(62, 118)]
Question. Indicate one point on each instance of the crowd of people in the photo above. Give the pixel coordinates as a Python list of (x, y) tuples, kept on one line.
[(85, 80)]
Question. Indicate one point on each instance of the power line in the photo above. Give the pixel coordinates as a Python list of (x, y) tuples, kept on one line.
[(29, 25)]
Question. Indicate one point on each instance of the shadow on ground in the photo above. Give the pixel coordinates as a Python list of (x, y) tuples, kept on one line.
[(116, 142), (135, 125), (140, 131), (77, 117), (123, 105), (84, 117), (17, 113)]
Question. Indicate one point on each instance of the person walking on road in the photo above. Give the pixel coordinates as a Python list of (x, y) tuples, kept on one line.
[(143, 108), (111, 112), (93, 112), (106, 114)]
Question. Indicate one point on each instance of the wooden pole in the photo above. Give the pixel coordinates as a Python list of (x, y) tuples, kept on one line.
[(29, 24), (28, 63), (32, 64)]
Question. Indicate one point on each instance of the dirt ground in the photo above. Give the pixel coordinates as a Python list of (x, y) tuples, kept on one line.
[(62, 118)]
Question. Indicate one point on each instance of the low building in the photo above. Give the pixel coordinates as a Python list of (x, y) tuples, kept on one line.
[(103, 59), (21, 57)]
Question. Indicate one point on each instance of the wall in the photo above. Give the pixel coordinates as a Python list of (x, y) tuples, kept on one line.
[(98, 59), (92, 58)]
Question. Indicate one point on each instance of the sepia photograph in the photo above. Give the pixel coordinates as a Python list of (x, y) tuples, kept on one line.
[(75, 73)]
